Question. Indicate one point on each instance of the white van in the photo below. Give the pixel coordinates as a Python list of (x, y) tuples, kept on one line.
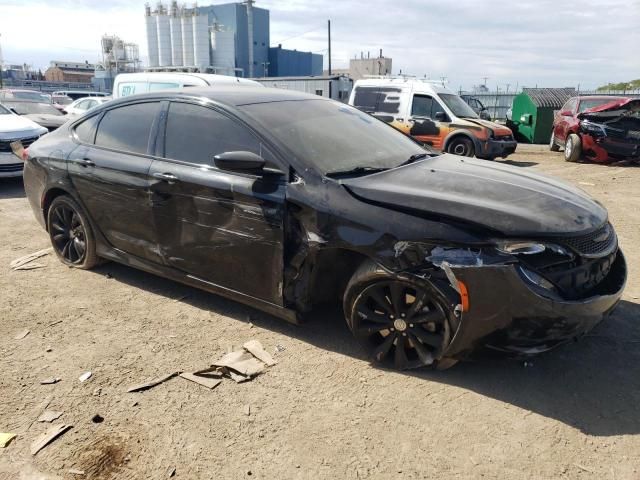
[(134, 83), (432, 114)]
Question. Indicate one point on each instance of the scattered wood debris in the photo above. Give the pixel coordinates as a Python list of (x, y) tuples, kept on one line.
[(84, 377), (50, 381), (170, 472), (30, 266), (587, 184), (73, 471), (152, 383), (209, 381), (19, 262), (49, 416), (5, 439), (255, 348), (21, 334), (47, 437), (247, 410)]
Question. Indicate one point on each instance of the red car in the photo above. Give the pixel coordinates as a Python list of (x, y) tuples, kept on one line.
[(599, 128)]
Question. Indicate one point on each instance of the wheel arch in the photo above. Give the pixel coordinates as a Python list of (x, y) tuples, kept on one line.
[(461, 133), (48, 197)]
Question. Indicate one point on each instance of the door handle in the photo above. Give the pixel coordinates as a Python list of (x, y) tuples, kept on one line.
[(85, 162), (170, 178)]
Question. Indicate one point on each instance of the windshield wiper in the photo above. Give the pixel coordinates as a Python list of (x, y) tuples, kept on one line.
[(414, 158), (355, 171)]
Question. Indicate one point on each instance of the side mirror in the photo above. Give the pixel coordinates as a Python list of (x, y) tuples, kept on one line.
[(14, 110), (440, 117), (240, 161)]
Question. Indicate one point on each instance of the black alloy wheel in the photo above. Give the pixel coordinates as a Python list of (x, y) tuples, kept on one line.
[(401, 324), (70, 233)]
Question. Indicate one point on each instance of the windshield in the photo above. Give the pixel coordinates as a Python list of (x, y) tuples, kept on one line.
[(587, 104), (27, 108), (22, 95), (332, 136), (457, 105)]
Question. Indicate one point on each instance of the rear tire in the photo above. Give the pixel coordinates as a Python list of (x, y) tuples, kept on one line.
[(573, 148), (71, 235), (462, 146), (401, 323), (553, 146)]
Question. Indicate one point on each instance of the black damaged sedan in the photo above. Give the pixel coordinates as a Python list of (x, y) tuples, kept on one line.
[(284, 201)]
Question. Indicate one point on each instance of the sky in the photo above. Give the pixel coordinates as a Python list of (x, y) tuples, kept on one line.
[(543, 43)]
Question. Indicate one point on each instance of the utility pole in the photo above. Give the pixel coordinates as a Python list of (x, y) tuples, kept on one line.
[(485, 81), (329, 37)]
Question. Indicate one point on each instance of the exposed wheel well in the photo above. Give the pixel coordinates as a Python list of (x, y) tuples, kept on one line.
[(334, 268), (48, 198), (455, 136)]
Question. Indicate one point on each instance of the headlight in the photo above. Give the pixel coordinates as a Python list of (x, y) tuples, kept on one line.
[(592, 128), (521, 248)]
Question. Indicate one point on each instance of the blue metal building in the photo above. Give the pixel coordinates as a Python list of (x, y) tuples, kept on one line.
[(234, 17), (292, 63)]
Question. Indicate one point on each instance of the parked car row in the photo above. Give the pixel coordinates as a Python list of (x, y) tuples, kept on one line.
[(284, 201)]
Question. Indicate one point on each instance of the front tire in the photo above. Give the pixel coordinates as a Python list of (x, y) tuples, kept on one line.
[(462, 146), (401, 323), (71, 235), (573, 148), (553, 146)]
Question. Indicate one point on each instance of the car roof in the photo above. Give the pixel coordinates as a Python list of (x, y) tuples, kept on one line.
[(417, 84), (231, 95)]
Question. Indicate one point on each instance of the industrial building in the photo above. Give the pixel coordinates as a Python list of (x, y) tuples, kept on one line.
[(118, 56), (289, 63), (365, 66), (337, 87), (228, 39), (62, 71)]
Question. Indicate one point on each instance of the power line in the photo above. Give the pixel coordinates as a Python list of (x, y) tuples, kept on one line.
[(301, 34)]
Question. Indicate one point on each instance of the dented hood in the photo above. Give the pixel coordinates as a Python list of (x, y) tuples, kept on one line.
[(612, 109), (503, 198)]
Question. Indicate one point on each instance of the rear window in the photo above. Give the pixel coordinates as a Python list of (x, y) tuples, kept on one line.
[(377, 99), (86, 131), (127, 128), (28, 96)]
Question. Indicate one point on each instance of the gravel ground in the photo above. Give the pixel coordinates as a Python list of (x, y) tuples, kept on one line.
[(323, 411)]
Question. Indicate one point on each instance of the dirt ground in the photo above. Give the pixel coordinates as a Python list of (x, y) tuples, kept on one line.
[(323, 411)]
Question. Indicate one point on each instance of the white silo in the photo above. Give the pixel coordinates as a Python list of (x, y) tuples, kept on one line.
[(200, 41), (187, 39), (175, 26), (164, 37), (224, 53), (152, 36)]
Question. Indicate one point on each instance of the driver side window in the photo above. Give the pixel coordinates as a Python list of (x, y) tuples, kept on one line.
[(422, 106)]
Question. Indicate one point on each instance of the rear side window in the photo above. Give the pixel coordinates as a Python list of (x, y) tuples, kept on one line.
[(377, 99), (422, 106), (127, 128), (86, 131), (196, 134)]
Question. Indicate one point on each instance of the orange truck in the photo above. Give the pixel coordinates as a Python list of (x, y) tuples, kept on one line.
[(433, 115)]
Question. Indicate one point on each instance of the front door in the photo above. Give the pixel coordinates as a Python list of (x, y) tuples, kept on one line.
[(110, 171), (220, 227), (422, 123)]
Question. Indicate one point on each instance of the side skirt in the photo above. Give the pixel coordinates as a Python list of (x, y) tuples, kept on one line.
[(172, 274)]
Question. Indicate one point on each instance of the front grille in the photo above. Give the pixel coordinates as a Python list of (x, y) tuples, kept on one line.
[(12, 167), (5, 145), (504, 138), (595, 244)]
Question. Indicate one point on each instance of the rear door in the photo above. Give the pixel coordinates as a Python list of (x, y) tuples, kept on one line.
[(217, 226), (110, 170), (565, 122)]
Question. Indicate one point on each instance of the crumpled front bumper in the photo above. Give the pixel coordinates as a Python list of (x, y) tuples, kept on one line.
[(508, 313), (494, 148)]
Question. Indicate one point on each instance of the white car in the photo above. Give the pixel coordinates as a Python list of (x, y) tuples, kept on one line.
[(81, 105), (14, 127)]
